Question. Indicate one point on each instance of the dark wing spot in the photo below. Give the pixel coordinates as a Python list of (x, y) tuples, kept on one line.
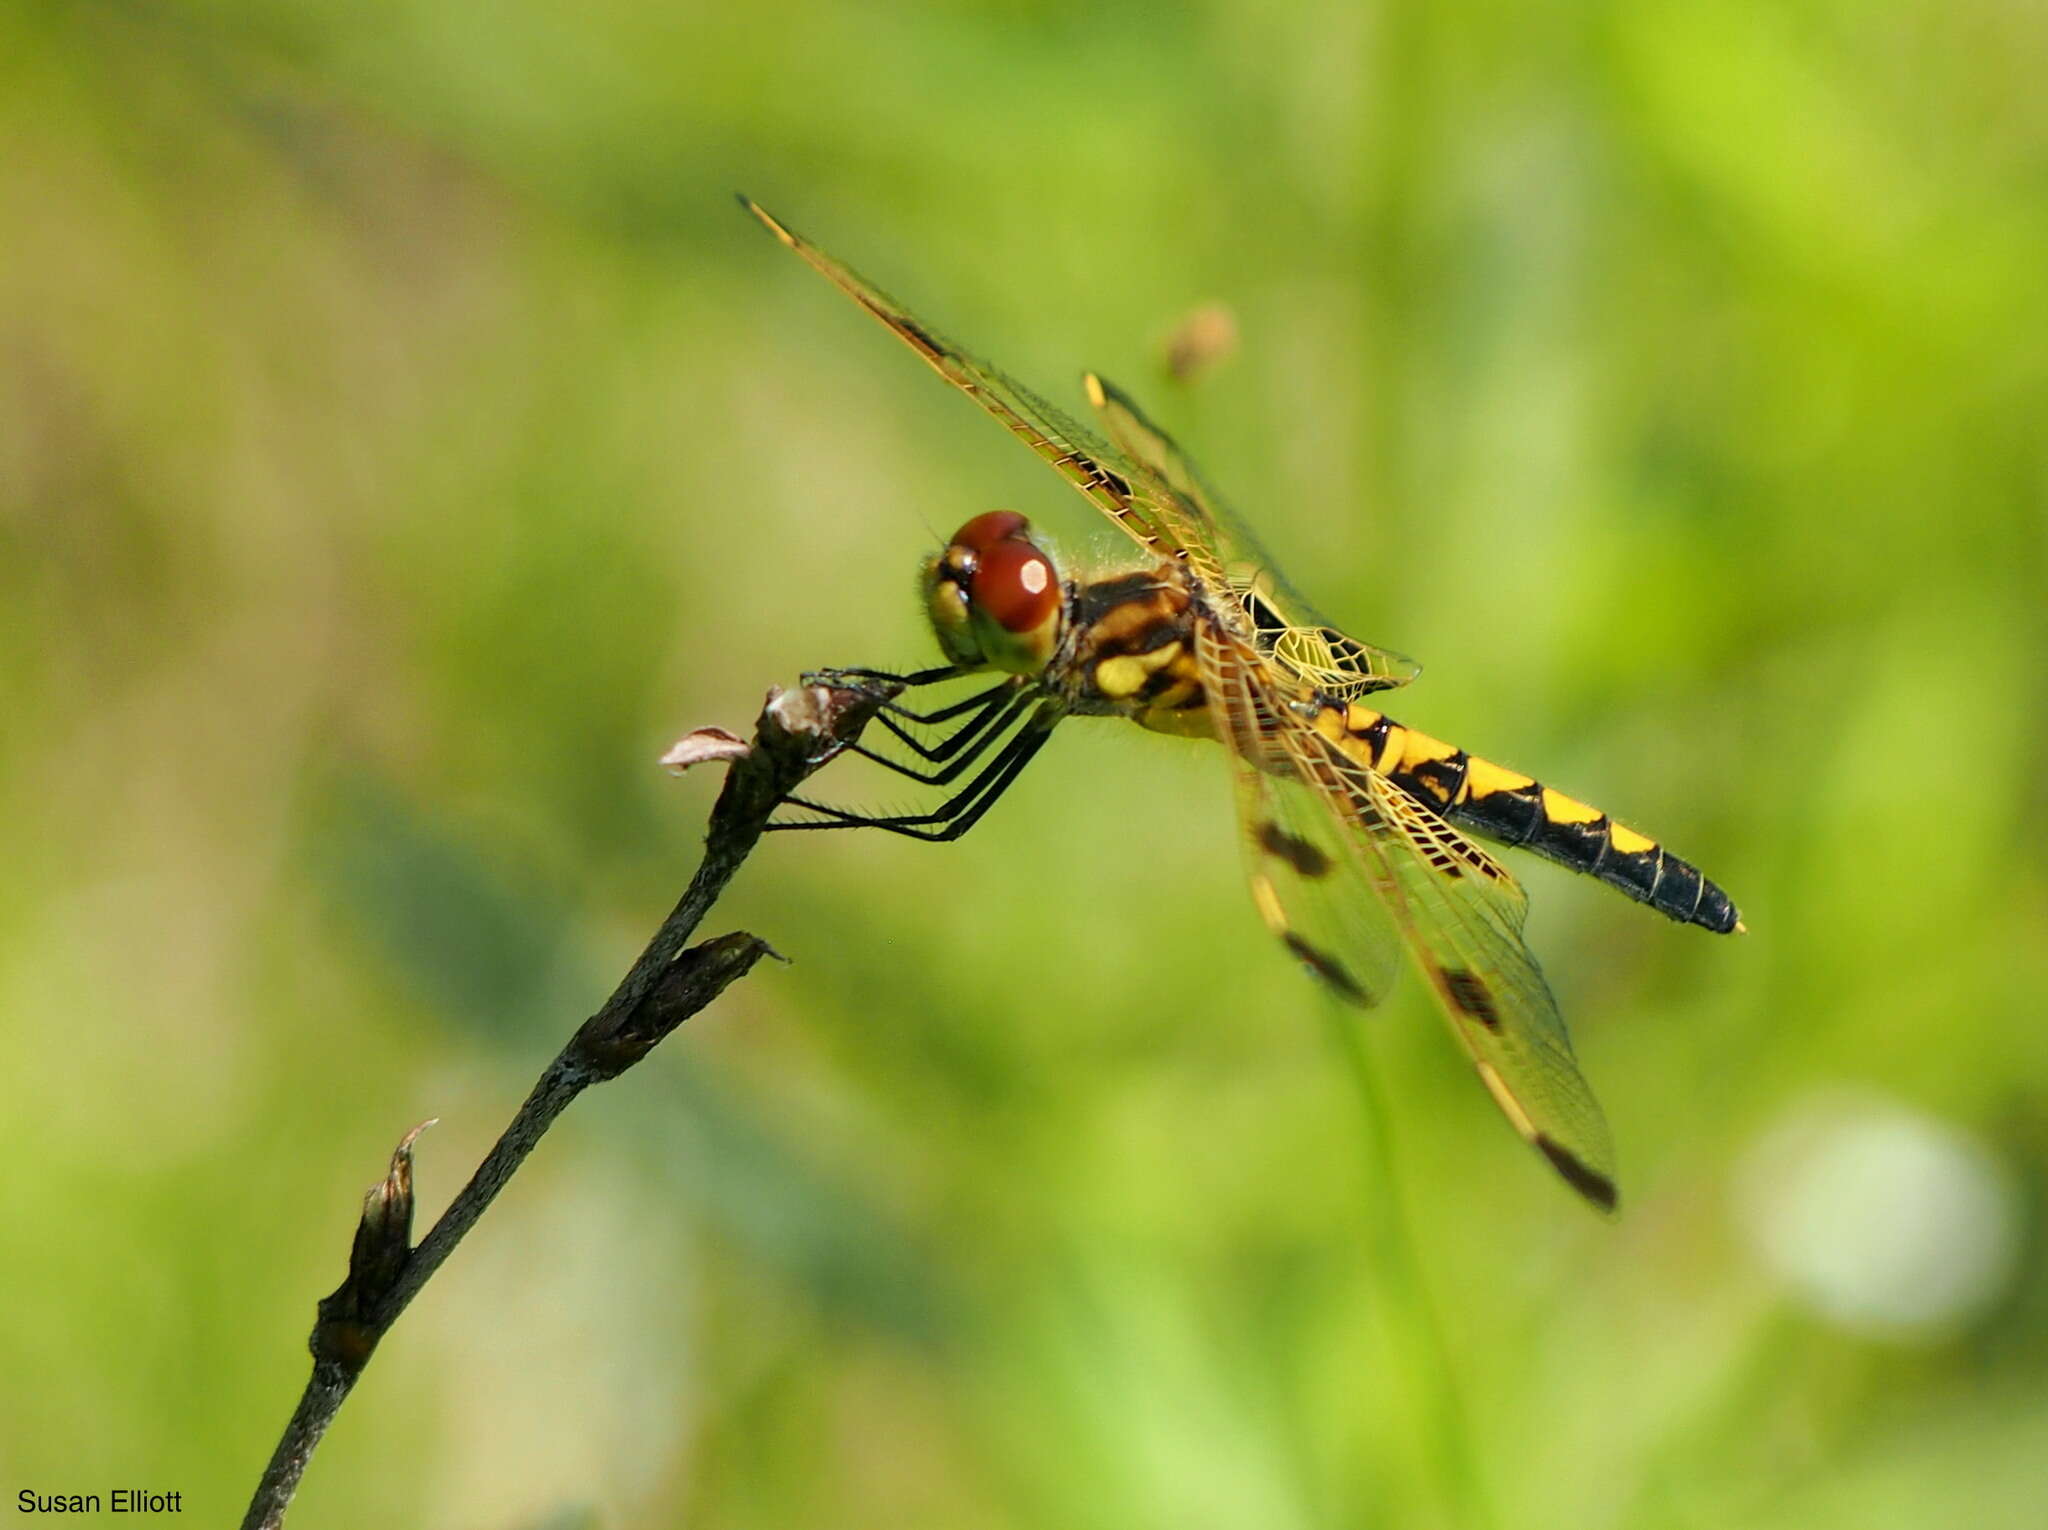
[(1297, 852), (1469, 992), (1326, 967), (1595, 1187), (1116, 483)]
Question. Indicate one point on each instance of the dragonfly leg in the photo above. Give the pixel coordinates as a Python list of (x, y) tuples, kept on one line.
[(959, 812), (1009, 684), (859, 678), (883, 684), (962, 747)]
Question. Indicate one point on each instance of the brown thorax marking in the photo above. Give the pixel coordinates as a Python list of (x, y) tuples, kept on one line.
[(1130, 651)]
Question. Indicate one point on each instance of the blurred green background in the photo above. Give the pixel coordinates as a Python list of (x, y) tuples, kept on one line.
[(403, 437)]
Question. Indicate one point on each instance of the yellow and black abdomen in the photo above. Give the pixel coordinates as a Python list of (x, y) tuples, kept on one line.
[(1514, 809)]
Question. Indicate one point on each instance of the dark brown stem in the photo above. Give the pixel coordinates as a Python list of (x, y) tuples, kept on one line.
[(670, 981)]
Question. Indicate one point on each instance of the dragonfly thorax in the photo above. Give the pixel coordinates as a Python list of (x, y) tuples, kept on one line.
[(994, 598)]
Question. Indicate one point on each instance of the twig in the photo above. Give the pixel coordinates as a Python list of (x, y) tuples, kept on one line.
[(798, 731)]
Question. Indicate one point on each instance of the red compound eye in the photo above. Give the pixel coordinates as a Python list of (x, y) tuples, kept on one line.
[(986, 530), (1014, 582)]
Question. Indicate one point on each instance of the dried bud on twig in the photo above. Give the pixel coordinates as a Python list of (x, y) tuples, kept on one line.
[(344, 1332), (610, 1043)]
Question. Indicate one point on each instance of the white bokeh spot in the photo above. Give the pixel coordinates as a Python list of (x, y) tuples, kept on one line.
[(1880, 1218)]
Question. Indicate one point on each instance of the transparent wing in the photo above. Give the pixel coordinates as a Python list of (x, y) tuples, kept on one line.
[(1324, 899), (1464, 928), (1455, 907), (1114, 486), (1306, 647)]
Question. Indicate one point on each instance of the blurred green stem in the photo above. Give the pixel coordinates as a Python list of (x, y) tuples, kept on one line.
[(1409, 1317)]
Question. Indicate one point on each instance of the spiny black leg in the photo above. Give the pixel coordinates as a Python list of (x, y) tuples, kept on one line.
[(960, 749), (912, 681), (983, 706), (954, 762), (1010, 685), (993, 707), (884, 681), (951, 808), (1022, 748), (875, 683), (957, 813)]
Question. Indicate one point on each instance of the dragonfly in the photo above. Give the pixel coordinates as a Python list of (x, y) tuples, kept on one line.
[(1359, 833)]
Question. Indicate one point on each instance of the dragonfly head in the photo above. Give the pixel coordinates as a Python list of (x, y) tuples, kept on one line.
[(993, 597)]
